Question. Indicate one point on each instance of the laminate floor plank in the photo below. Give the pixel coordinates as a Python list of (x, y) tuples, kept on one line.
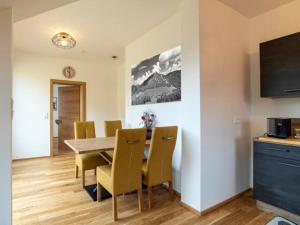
[(45, 192)]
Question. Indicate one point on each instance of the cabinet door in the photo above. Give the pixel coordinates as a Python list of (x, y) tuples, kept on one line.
[(280, 67), (277, 181)]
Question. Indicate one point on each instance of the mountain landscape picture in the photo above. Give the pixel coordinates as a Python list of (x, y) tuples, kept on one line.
[(157, 79)]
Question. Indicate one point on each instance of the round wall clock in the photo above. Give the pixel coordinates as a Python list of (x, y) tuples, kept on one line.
[(69, 72)]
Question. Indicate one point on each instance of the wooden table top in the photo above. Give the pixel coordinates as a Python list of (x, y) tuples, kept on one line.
[(93, 144), (285, 141)]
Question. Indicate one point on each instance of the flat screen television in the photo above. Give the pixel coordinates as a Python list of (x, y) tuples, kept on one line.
[(280, 67)]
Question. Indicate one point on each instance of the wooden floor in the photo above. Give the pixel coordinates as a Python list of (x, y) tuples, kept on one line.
[(46, 192), (58, 151)]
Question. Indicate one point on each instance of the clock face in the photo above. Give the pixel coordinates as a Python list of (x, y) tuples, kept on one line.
[(69, 72)]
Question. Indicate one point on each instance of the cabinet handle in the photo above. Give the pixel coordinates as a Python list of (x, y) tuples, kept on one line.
[(278, 149), (290, 165), (292, 90)]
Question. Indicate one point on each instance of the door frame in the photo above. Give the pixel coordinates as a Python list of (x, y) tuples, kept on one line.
[(82, 86)]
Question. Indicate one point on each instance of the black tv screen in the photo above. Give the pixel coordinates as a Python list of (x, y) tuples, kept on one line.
[(280, 67)]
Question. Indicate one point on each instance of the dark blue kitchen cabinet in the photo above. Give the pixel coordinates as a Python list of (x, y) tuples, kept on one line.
[(277, 175), (280, 67)]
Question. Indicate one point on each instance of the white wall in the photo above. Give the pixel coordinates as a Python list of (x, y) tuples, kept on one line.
[(32, 74), (180, 29), (168, 34), (121, 88), (276, 23), (232, 112), (225, 108), (189, 113), (5, 115)]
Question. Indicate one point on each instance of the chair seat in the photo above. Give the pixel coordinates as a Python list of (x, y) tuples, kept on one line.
[(104, 177), (89, 161)]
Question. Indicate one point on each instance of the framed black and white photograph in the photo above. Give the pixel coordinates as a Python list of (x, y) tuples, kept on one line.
[(157, 79)]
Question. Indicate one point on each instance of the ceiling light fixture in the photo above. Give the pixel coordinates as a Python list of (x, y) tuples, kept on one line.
[(63, 40)]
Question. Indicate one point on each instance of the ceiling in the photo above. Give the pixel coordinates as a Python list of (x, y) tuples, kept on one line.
[(102, 28), (252, 8), (5, 4), (27, 8)]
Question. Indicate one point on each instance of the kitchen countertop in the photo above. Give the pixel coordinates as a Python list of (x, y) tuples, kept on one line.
[(286, 141)]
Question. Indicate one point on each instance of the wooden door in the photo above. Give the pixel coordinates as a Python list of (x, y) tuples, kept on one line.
[(68, 112)]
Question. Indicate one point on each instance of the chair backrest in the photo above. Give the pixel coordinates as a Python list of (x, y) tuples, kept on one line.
[(159, 162), (128, 160), (84, 130), (110, 127)]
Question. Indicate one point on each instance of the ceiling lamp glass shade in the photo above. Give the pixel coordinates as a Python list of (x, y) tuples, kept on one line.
[(63, 40)]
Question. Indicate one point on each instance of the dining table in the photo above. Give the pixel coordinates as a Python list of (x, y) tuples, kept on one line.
[(100, 145)]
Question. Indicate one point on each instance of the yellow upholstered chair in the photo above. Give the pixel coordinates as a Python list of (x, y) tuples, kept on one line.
[(158, 167), (125, 173), (110, 128), (86, 161)]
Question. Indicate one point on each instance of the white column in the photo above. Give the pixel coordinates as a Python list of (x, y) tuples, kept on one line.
[(5, 115), (191, 144)]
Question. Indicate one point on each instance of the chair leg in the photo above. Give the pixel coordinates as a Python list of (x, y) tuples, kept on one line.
[(83, 178), (150, 197), (140, 199), (76, 171), (98, 192), (171, 192), (114, 204)]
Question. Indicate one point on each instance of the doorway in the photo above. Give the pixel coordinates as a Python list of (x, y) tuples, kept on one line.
[(67, 104)]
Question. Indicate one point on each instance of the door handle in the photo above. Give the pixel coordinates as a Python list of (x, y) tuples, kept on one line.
[(58, 122)]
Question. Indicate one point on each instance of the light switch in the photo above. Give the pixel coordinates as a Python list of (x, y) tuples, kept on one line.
[(237, 121), (45, 116)]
